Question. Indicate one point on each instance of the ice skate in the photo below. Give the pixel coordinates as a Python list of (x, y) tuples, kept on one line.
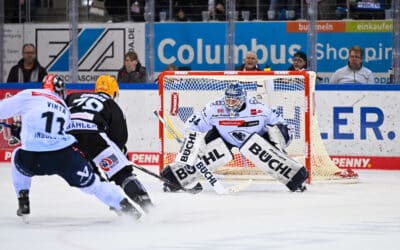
[(144, 202), (128, 209), (23, 205)]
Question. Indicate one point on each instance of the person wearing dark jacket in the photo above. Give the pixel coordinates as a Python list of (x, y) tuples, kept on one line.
[(299, 61), (28, 68), (132, 71), (249, 62)]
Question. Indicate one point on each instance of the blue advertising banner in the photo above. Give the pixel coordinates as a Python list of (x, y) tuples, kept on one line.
[(202, 46)]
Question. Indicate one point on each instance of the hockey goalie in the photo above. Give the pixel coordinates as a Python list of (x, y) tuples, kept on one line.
[(234, 120)]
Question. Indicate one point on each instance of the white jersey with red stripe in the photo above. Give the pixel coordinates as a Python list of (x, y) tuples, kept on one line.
[(44, 118), (252, 118)]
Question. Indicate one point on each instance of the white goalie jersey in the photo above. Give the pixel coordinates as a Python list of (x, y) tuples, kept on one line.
[(253, 117)]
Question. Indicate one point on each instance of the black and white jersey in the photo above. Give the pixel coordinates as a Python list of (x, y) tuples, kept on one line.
[(97, 113)]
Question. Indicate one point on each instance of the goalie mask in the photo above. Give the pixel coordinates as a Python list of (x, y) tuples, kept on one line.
[(107, 84), (235, 97), (54, 83)]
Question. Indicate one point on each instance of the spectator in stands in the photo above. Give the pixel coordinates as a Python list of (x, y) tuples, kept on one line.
[(28, 68), (219, 12), (132, 71), (299, 61), (190, 10), (118, 10), (249, 63), (282, 10), (354, 71), (162, 6), (169, 67), (33, 6), (15, 11), (137, 10), (181, 14), (328, 9), (251, 6)]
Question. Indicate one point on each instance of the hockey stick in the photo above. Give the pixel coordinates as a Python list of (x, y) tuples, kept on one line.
[(207, 174), (5, 125), (165, 180), (170, 130)]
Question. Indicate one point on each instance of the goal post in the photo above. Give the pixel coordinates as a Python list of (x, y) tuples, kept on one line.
[(290, 93)]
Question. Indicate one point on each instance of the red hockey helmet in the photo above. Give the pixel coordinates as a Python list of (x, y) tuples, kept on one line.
[(54, 83)]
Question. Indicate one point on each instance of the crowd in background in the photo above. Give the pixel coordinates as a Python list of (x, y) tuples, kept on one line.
[(195, 10), (29, 69)]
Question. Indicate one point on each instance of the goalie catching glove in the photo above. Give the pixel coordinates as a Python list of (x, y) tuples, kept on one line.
[(279, 135)]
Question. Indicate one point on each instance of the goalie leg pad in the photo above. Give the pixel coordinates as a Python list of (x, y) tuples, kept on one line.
[(180, 176), (185, 175), (190, 148), (215, 154), (273, 161), (167, 174), (298, 179)]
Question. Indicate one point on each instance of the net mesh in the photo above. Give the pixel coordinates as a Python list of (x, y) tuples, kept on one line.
[(287, 92)]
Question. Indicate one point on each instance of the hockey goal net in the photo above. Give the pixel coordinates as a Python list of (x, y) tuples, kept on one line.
[(289, 92)]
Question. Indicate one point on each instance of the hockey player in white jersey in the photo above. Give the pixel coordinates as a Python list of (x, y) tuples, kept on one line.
[(46, 148), (235, 120)]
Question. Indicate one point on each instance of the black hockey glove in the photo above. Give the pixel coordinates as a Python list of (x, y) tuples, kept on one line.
[(16, 129)]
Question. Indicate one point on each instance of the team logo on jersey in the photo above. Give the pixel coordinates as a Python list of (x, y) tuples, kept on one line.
[(250, 124), (108, 163), (231, 122), (85, 174), (255, 111), (239, 135)]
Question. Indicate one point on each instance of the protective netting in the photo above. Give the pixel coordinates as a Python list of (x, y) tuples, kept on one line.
[(289, 93)]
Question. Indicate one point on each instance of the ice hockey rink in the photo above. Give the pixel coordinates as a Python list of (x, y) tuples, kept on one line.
[(363, 216)]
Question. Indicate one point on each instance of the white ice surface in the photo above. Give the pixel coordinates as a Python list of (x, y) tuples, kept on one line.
[(364, 216)]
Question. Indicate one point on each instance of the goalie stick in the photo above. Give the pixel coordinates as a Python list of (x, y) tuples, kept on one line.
[(170, 130), (215, 184)]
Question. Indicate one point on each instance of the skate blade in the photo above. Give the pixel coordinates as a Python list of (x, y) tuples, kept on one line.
[(25, 218)]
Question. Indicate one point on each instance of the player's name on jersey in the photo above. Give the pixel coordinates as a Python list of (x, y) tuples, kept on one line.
[(40, 135), (81, 125)]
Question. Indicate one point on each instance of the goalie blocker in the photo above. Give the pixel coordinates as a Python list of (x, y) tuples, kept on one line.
[(276, 163)]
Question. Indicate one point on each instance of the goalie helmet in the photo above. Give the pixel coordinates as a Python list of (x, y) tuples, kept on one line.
[(235, 97), (54, 83), (107, 84)]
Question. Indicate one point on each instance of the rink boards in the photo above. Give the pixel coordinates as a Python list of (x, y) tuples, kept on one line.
[(359, 123)]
